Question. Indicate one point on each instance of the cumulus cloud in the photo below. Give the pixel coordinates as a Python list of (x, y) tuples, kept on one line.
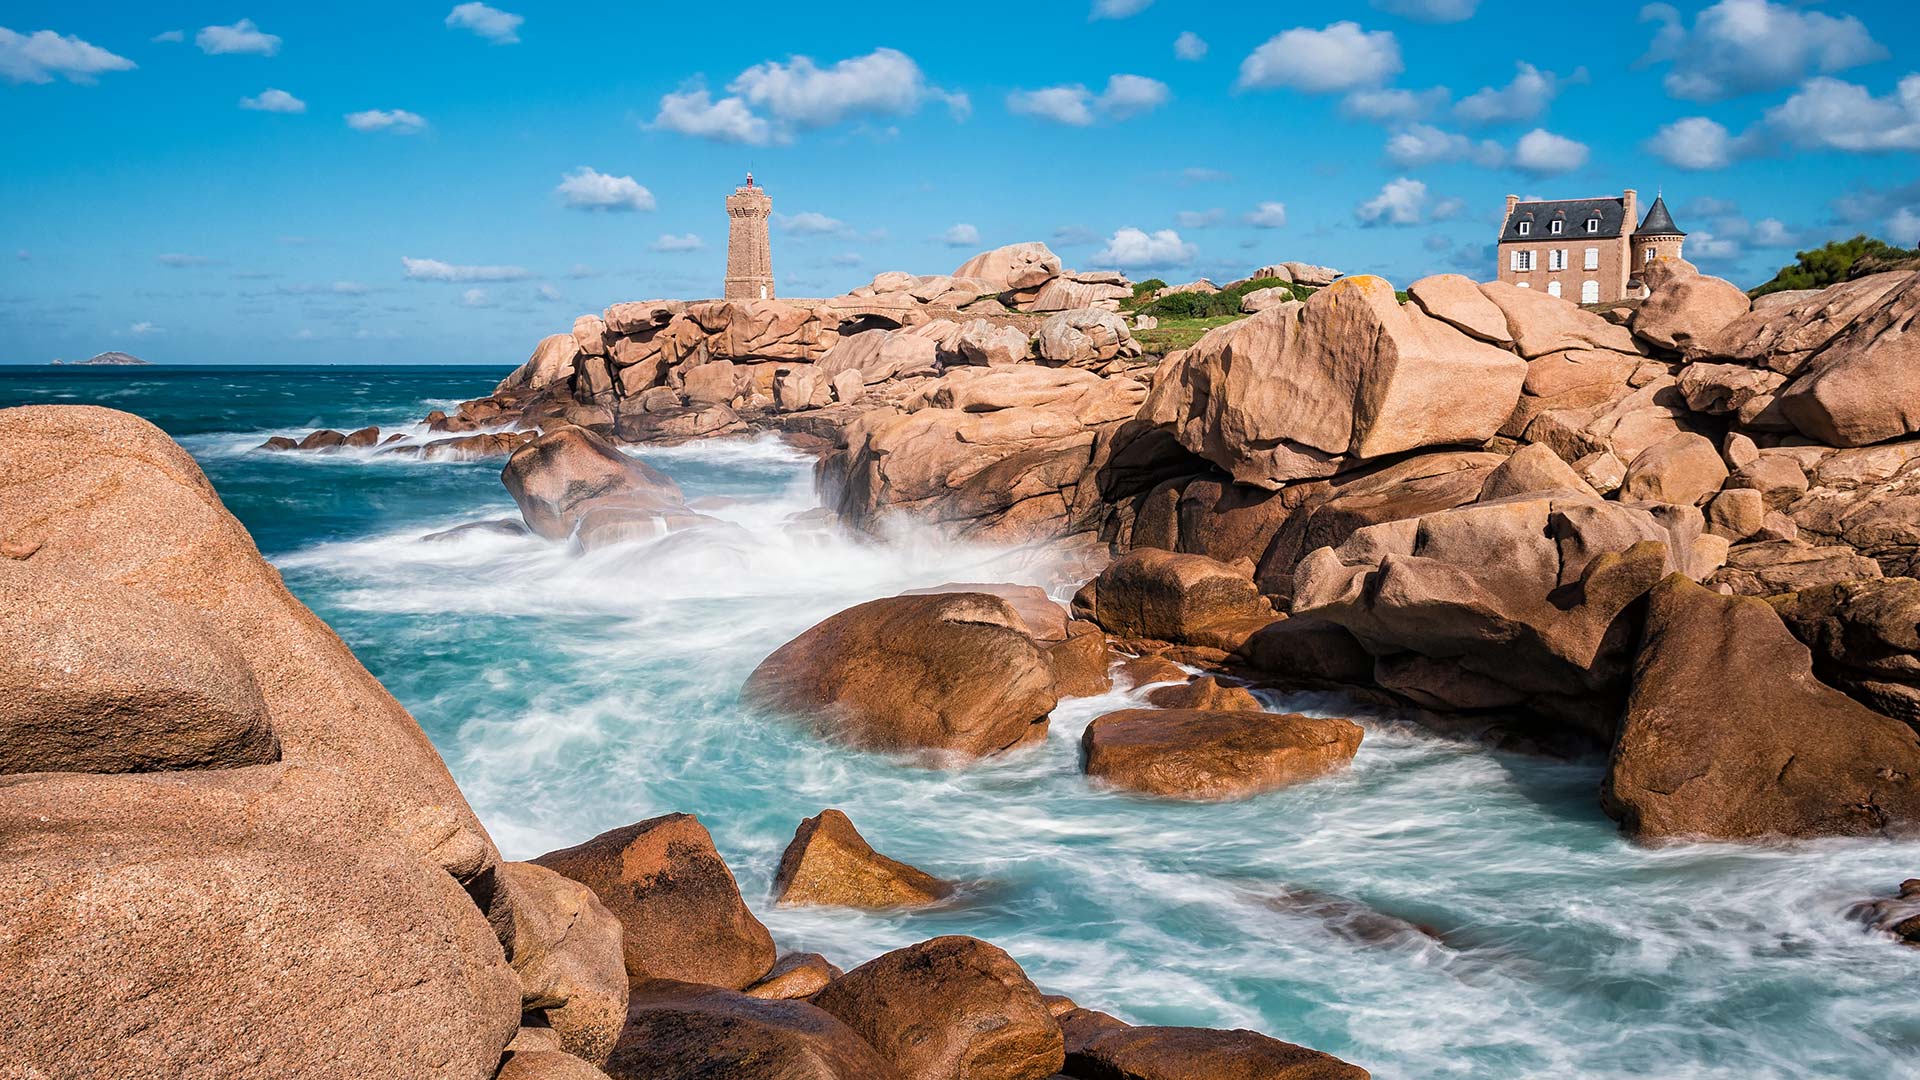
[(672, 244), (1831, 114), (1119, 9), (274, 101), (1190, 46), (1740, 46), (43, 54), (436, 270), (1131, 248), (586, 189), (1696, 142), (242, 37), (1423, 144), (475, 298), (1400, 202), (499, 27), (810, 223), (1525, 98), (799, 95), (1077, 106), (166, 37), (396, 121), (1393, 104), (962, 235), (1543, 153), (694, 112), (1268, 215), (1433, 11), (1340, 57)]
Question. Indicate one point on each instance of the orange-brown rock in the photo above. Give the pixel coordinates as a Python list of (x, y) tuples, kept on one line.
[(1865, 639), (1083, 663), (1687, 310), (1200, 754), (1897, 915), (949, 1007), (1045, 619), (1184, 599), (829, 862), (1728, 735), (565, 947), (953, 675), (563, 475), (1183, 1053), (677, 1029), (546, 1065), (1863, 388), (552, 362), (679, 908), (1206, 692), (795, 975)]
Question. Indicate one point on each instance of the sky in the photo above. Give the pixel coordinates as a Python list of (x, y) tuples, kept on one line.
[(437, 183)]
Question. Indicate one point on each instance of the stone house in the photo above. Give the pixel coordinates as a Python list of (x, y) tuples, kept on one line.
[(1585, 250)]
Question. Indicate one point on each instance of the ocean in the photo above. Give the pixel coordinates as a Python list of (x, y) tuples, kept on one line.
[(573, 694)]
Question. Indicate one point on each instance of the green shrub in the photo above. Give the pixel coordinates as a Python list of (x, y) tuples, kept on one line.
[(1831, 264)]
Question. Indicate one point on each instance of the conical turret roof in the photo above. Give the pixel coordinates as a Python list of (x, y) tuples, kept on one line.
[(1658, 221)]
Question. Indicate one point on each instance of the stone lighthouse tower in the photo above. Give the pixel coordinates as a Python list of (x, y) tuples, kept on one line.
[(749, 257)]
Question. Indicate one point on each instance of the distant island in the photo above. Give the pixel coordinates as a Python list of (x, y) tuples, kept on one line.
[(118, 359)]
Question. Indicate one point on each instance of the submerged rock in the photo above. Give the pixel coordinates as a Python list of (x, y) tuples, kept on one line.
[(829, 862), (1202, 754), (1898, 915)]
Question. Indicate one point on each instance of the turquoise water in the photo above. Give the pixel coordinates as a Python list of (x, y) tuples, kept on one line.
[(570, 695)]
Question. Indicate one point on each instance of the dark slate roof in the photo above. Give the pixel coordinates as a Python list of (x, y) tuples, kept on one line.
[(1658, 222), (1575, 212)]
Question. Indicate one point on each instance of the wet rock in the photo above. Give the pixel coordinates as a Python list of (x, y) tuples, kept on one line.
[(1898, 915), (279, 442), (565, 947), (1083, 663), (679, 908), (1179, 1053), (324, 439), (1303, 650), (562, 475), (949, 1007), (677, 1029), (1043, 619), (829, 862), (1164, 596), (1199, 754), (1728, 735), (1078, 1027), (1350, 919), (795, 975), (495, 527), (1207, 693), (1865, 639), (953, 674), (1138, 671)]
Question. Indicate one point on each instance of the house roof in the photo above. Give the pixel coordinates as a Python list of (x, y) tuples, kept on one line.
[(1658, 222), (1575, 212)]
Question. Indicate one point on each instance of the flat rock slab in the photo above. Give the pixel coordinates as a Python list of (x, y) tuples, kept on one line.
[(1210, 754), (1183, 1053)]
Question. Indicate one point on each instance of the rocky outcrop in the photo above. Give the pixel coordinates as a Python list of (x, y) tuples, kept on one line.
[(552, 362), (678, 1029), (1862, 388), (951, 676), (1865, 639), (949, 1007), (1897, 916), (829, 862), (1013, 268), (1728, 735), (679, 908), (1183, 1053), (1688, 309), (1205, 754), (1183, 599), (570, 481), (565, 947)]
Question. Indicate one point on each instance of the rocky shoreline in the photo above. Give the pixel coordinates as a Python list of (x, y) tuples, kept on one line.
[(1677, 534)]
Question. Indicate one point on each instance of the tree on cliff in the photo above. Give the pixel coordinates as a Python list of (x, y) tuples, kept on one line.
[(1837, 261)]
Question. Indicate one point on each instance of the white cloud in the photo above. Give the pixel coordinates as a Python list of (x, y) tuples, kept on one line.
[(178, 261), (1341, 57), (499, 27), (810, 223), (1830, 114), (672, 244), (1695, 142), (39, 56), (1903, 228), (1433, 11), (1190, 46), (694, 112), (1740, 46), (242, 37), (1132, 248), (1423, 144), (143, 328), (1772, 232), (1077, 106), (435, 270), (1543, 153), (586, 189), (548, 293), (799, 92), (274, 101), (397, 121), (475, 298), (1119, 9), (169, 37), (1525, 98), (1392, 104), (962, 235), (1400, 202), (1268, 215)]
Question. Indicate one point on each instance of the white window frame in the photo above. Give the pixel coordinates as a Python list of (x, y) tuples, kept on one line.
[(1554, 226), (1526, 285), (1520, 262), (1593, 259), (1593, 224), (1557, 259), (1524, 228), (1649, 259), (1589, 292), (1553, 288)]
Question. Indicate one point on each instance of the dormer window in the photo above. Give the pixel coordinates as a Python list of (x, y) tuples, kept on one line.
[(1555, 226), (1526, 227), (1593, 224)]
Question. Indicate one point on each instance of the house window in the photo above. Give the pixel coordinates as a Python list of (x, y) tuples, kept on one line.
[(1521, 261), (1649, 256), (1557, 259), (1553, 288), (1589, 292), (1593, 224), (1526, 284), (1593, 258), (1526, 227), (1555, 226)]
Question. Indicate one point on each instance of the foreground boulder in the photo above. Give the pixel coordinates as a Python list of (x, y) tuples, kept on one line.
[(1728, 735), (949, 1007), (679, 908), (1183, 1053), (1184, 599), (829, 862), (1210, 754), (565, 947), (953, 675), (562, 478), (677, 1029)]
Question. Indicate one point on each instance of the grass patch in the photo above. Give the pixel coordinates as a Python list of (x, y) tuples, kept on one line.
[(1173, 334)]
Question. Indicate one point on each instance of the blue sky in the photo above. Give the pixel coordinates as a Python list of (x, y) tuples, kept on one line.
[(355, 183)]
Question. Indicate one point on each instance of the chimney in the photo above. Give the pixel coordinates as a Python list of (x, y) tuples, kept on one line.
[(1512, 201), (1630, 198)]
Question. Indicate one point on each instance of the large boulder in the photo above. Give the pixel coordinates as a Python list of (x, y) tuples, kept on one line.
[(1258, 300), (1728, 735), (1458, 301), (552, 362), (1085, 337), (1184, 599), (1012, 268), (1354, 374), (1309, 274), (1865, 639), (1865, 500), (1067, 294), (565, 947), (829, 862), (949, 1007), (1688, 309), (1211, 754), (988, 344), (1685, 469), (679, 908), (878, 355), (1183, 1053), (951, 676), (1542, 324), (679, 1029), (1864, 387), (1782, 336), (564, 475)]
